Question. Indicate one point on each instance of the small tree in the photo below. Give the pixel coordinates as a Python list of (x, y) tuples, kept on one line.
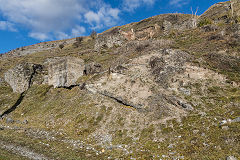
[(79, 39), (194, 17), (93, 34), (61, 46)]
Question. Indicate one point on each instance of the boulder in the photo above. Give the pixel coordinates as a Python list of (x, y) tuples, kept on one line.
[(21, 77), (92, 68), (236, 120), (9, 120), (231, 158), (64, 71)]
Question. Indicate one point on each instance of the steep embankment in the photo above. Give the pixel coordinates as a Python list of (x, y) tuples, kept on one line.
[(166, 87)]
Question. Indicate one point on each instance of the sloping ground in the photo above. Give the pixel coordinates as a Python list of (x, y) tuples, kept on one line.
[(163, 92)]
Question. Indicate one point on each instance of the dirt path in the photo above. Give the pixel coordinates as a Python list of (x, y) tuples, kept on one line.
[(23, 151)]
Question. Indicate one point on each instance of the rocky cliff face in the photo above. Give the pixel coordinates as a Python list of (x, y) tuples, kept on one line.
[(20, 78), (222, 12), (109, 39), (37, 48), (59, 72)]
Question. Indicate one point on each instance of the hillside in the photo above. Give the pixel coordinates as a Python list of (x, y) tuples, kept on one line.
[(167, 87)]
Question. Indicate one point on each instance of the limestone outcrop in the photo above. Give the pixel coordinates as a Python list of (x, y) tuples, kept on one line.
[(21, 77), (64, 71), (222, 12), (109, 39), (92, 68)]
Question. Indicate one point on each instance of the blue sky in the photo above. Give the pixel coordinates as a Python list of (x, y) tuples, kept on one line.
[(26, 22)]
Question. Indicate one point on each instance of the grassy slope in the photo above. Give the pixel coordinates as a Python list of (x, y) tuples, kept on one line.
[(48, 109)]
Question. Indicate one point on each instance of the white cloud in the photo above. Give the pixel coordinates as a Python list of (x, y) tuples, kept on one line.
[(38, 35), (5, 25), (78, 31), (105, 16), (131, 5), (54, 19), (178, 3)]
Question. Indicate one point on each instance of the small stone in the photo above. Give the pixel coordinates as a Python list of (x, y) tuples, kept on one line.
[(203, 114), (225, 127), (231, 158), (236, 120), (185, 105), (185, 91), (25, 122), (164, 156), (223, 122), (171, 146), (18, 122), (195, 131), (9, 120)]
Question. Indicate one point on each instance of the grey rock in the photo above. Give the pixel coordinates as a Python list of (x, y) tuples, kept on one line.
[(165, 67), (185, 105), (225, 127), (195, 131), (236, 120), (9, 120), (92, 68), (25, 122), (171, 146), (231, 158), (18, 122), (27, 50), (109, 39), (21, 77), (64, 71), (178, 22), (203, 114), (209, 28), (223, 122), (185, 91)]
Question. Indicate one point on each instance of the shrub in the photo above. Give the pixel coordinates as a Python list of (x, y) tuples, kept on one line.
[(93, 35), (79, 39), (204, 22), (61, 46)]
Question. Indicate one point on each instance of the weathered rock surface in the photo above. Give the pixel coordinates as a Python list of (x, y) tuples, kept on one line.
[(109, 39), (64, 71), (231, 158), (27, 50), (92, 68), (220, 12), (21, 77), (178, 22), (167, 64)]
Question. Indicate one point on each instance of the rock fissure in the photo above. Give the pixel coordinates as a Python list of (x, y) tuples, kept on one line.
[(22, 95), (18, 102), (121, 100)]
